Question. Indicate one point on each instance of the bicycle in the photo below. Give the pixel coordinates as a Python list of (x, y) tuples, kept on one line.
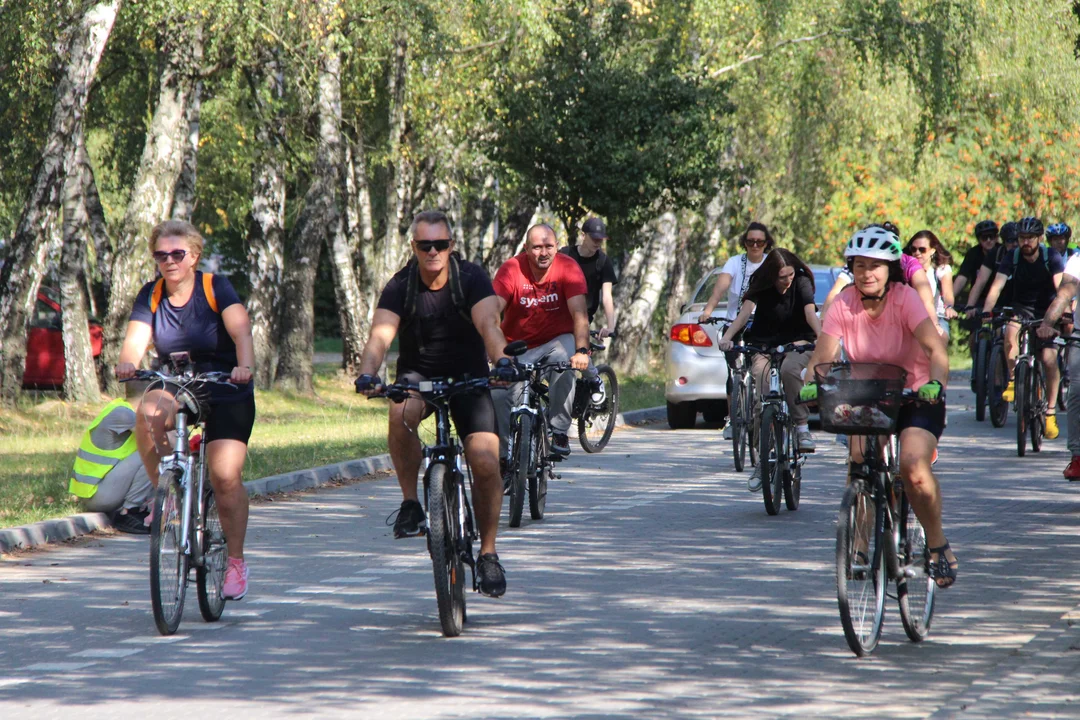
[(997, 368), (450, 526), (878, 537), (186, 528), (596, 420), (980, 363), (779, 453), (531, 462), (740, 405), (1030, 400)]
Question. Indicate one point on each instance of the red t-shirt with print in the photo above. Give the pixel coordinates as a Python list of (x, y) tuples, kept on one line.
[(536, 310)]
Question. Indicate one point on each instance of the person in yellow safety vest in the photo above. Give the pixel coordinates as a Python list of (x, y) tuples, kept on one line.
[(108, 475)]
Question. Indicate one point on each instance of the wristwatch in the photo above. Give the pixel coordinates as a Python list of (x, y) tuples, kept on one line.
[(583, 350)]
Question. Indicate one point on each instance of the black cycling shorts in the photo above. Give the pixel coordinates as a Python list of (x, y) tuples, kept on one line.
[(471, 412), (231, 420), (923, 415)]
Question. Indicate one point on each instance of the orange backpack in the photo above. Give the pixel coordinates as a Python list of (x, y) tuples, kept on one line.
[(208, 291)]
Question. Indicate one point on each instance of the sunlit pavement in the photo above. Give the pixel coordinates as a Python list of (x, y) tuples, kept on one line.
[(656, 587)]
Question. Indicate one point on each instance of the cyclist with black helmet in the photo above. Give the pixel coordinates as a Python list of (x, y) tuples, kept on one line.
[(986, 241), (881, 320), (1035, 270)]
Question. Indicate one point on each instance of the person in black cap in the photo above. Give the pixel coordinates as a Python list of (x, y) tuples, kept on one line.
[(599, 272)]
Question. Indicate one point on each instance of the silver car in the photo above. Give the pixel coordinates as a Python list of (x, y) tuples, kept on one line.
[(696, 369)]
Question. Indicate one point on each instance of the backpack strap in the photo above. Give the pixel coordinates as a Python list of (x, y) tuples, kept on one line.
[(456, 291), (412, 284), (208, 290), (155, 296)]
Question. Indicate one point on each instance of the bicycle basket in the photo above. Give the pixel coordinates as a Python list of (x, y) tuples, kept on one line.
[(859, 398)]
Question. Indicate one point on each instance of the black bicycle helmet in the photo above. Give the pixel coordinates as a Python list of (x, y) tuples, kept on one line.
[(1059, 230), (1030, 226), (1008, 233), (985, 228)]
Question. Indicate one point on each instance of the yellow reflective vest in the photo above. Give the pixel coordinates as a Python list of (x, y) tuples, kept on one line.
[(93, 463)]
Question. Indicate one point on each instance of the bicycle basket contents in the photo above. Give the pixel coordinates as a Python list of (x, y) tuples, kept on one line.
[(859, 398)]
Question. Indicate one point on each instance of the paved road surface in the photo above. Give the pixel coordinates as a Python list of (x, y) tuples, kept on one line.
[(657, 587)]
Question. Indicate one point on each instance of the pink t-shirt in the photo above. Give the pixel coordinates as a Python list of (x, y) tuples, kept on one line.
[(889, 338)]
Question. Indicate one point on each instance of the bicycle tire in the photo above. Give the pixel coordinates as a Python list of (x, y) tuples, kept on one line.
[(736, 419), (446, 564), (999, 380), (1063, 382), (862, 604), (915, 589), (772, 460), (1037, 410), (1021, 395), (596, 424), (168, 563), (538, 492), (522, 468), (792, 487), (748, 413), (210, 576), (981, 377)]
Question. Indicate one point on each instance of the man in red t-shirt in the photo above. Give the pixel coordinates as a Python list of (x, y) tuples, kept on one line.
[(542, 297)]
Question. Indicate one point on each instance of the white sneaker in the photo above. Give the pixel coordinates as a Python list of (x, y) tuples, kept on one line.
[(727, 429), (754, 483)]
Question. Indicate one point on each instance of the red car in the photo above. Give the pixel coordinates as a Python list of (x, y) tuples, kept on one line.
[(45, 343)]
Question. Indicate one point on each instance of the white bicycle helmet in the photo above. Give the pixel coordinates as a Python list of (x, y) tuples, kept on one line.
[(874, 242)]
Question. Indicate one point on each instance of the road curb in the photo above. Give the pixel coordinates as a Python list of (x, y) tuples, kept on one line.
[(73, 526)]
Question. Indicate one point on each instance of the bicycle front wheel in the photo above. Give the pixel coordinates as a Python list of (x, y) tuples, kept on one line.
[(860, 572), (523, 443), (999, 380), (915, 588), (773, 461), (210, 577), (1037, 425), (792, 484), (446, 564), (751, 435), (168, 563), (980, 376), (738, 429), (538, 486), (1022, 398), (598, 421)]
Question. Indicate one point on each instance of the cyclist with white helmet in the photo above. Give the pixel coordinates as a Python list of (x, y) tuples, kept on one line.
[(880, 319)]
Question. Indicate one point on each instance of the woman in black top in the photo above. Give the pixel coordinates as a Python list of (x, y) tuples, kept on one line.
[(782, 292)]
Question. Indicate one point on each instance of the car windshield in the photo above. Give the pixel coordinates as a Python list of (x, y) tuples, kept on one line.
[(706, 287)]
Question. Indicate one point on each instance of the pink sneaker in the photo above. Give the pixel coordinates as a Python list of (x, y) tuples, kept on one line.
[(236, 577)]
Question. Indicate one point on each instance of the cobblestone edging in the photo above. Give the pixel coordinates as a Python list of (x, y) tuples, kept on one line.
[(58, 530)]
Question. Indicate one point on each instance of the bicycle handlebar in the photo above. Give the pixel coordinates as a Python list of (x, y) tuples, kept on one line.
[(435, 388), (773, 349), (214, 377)]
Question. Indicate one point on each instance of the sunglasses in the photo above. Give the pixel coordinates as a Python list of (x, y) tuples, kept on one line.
[(920, 250), (426, 246), (177, 256), (755, 243)]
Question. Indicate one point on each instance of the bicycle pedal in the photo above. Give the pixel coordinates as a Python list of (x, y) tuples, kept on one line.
[(558, 477)]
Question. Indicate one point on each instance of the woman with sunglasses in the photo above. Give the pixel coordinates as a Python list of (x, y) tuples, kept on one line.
[(179, 315), (936, 262)]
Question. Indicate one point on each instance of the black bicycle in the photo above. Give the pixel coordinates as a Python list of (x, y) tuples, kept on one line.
[(1030, 389), (740, 405), (596, 402), (779, 454), (878, 537), (531, 462), (451, 529), (996, 378), (186, 528)]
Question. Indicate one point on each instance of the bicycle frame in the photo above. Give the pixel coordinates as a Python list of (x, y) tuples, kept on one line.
[(879, 468)]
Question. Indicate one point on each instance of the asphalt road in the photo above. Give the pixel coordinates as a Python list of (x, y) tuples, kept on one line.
[(656, 587)]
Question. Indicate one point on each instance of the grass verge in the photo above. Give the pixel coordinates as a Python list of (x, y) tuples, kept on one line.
[(39, 437)]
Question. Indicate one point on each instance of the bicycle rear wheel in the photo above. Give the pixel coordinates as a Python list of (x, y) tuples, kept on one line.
[(538, 486), (446, 564), (523, 442), (210, 577), (738, 427), (1037, 412), (1022, 397), (860, 572), (980, 375), (773, 461), (792, 482), (598, 421), (999, 380), (915, 589), (168, 563)]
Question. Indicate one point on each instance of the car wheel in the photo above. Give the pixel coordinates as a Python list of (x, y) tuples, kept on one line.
[(714, 411), (681, 416)]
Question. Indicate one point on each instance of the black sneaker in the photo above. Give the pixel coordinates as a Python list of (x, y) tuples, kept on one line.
[(560, 444), (490, 575), (411, 520), (131, 522)]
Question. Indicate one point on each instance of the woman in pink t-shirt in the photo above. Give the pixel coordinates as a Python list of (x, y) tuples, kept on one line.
[(880, 319)]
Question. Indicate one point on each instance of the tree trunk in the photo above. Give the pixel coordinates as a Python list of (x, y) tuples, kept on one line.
[(511, 234), (266, 237), (99, 267), (26, 251), (397, 184), (645, 276), (319, 218), (155, 182), (80, 376), (184, 195)]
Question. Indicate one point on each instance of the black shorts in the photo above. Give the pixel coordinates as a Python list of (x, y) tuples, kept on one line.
[(471, 412), (929, 417), (231, 420)]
